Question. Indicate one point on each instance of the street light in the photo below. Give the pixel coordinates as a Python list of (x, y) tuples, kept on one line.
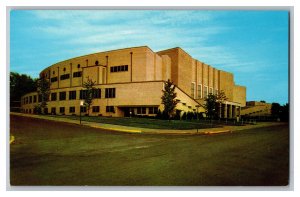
[(81, 104), (197, 106)]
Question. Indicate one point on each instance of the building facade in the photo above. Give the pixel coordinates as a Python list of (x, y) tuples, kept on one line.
[(130, 82), (256, 109)]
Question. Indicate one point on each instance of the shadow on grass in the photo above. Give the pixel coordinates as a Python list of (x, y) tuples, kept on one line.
[(146, 122)]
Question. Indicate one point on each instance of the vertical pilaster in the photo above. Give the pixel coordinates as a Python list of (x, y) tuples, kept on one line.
[(230, 111)]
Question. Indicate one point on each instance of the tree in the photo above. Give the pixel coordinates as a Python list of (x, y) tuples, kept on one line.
[(168, 98), (210, 105), (20, 84), (285, 112), (43, 90), (275, 110), (220, 99), (89, 86)]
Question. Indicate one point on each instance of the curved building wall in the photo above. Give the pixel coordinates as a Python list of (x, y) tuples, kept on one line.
[(131, 79)]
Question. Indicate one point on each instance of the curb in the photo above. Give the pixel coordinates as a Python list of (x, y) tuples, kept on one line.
[(217, 132), (126, 130)]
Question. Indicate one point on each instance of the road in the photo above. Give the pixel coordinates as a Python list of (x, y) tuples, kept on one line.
[(54, 153)]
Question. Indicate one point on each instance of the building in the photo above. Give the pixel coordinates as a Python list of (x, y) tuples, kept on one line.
[(130, 81), (255, 109)]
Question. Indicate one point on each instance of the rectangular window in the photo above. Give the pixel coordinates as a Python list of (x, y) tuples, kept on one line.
[(83, 94), (199, 91), (193, 90), (153, 110), (53, 79), (141, 110), (97, 93), (53, 96), (62, 110), (72, 95), (110, 92), (110, 109), (82, 109), (62, 96), (53, 110), (96, 108), (72, 110), (211, 91), (77, 74), (34, 98), (120, 68), (65, 76), (205, 92)]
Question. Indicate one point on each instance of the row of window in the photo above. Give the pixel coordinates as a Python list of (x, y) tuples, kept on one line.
[(78, 66), (83, 94), (95, 109), (66, 76), (206, 91), (119, 68), (142, 110), (30, 99), (83, 109)]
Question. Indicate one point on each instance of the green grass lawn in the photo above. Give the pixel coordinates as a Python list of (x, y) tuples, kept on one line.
[(147, 122), (54, 153)]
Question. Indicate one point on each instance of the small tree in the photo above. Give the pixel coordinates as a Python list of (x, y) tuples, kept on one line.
[(89, 86), (210, 105), (168, 98), (43, 89), (220, 99)]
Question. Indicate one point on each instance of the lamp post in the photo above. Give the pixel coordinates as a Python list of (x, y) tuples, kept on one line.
[(81, 104), (197, 106)]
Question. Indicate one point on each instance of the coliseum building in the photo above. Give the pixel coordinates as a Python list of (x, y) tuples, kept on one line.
[(131, 80)]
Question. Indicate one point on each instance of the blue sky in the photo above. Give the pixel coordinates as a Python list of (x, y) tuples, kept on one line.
[(253, 45)]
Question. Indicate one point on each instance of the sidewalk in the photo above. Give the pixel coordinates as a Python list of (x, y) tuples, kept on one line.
[(127, 129)]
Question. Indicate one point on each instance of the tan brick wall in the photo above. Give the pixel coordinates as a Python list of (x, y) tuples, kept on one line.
[(239, 95), (146, 66)]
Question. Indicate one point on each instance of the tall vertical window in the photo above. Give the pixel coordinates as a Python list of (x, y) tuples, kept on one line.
[(110, 92), (34, 98), (53, 96), (199, 91), (83, 94), (82, 109), (110, 109), (96, 108), (205, 92), (72, 110), (193, 89), (72, 95), (62, 110), (62, 96), (97, 93)]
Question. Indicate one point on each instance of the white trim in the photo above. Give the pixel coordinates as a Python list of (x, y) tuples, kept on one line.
[(193, 90), (205, 96), (201, 95)]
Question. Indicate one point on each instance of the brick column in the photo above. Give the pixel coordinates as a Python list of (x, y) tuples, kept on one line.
[(230, 111), (220, 110), (225, 110), (234, 111)]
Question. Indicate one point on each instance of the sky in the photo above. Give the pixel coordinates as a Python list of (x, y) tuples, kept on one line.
[(253, 45)]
